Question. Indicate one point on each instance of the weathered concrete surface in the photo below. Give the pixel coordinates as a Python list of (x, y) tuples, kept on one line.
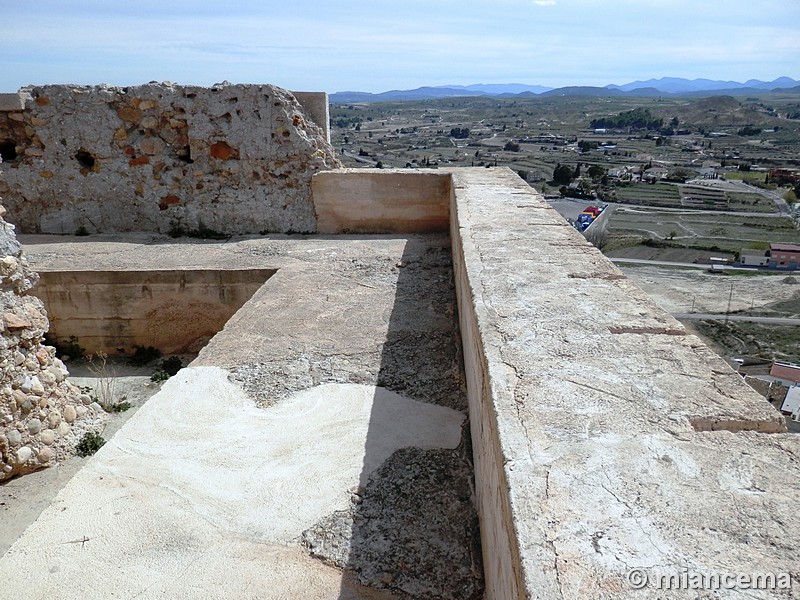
[(161, 157), (12, 102), (176, 311), (42, 415), (589, 408), (245, 469), (200, 477), (317, 107), (381, 201)]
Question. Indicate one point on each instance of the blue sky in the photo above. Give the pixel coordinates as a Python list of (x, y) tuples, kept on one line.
[(378, 45)]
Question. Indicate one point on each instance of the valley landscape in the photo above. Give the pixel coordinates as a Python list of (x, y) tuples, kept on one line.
[(692, 174)]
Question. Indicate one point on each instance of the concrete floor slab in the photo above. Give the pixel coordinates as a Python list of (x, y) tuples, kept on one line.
[(201, 477)]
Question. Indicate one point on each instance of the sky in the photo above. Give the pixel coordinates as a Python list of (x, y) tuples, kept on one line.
[(377, 45)]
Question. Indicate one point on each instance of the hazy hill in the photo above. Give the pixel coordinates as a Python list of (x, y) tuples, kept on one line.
[(677, 85), (649, 88)]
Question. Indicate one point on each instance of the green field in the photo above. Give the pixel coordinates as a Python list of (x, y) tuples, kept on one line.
[(725, 232), (534, 135), (644, 194)]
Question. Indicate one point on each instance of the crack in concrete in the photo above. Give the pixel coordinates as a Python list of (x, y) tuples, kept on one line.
[(551, 542), (620, 329)]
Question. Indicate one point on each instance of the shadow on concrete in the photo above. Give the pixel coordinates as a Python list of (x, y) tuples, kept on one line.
[(413, 530)]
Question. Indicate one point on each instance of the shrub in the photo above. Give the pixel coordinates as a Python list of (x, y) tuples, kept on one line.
[(143, 356), (159, 376), (70, 347), (171, 365), (90, 443), (118, 407)]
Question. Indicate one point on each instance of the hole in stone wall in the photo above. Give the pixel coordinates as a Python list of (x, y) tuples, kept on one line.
[(185, 154), (85, 159), (177, 312), (8, 151)]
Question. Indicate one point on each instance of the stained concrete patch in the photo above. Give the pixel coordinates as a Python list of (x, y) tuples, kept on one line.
[(412, 530), (201, 477)]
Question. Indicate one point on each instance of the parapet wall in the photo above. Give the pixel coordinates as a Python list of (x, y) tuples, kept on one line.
[(175, 311), (606, 438), (161, 157), (381, 201)]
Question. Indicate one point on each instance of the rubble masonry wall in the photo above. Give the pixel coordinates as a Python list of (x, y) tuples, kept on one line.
[(233, 159)]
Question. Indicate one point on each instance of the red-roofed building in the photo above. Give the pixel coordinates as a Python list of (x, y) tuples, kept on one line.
[(784, 256)]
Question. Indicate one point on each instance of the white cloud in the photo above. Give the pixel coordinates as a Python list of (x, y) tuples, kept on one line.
[(545, 2)]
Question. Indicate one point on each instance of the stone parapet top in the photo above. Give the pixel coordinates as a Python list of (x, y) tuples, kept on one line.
[(615, 438), (12, 102)]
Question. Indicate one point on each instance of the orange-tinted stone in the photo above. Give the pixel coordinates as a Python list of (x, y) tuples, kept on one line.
[(223, 151), (168, 201)]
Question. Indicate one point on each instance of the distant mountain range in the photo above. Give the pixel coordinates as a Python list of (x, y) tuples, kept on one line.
[(650, 88)]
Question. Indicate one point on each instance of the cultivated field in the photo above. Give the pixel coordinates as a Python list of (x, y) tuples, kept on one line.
[(689, 182)]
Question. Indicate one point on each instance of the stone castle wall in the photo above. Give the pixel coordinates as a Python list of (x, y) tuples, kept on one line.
[(161, 157), (42, 415)]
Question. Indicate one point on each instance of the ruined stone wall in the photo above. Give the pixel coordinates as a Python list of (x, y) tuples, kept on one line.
[(160, 157), (42, 415)]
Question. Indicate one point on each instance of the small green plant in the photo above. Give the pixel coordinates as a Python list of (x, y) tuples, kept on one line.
[(70, 347), (90, 443), (206, 233), (159, 376), (143, 356), (203, 232), (81, 231), (118, 407)]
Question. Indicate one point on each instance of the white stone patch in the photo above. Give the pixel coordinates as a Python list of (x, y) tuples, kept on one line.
[(202, 492), (269, 473)]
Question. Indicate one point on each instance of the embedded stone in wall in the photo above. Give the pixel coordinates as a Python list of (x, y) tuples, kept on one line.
[(235, 159), (42, 415)]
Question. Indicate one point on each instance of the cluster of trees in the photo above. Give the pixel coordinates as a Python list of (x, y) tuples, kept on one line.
[(460, 133), (511, 146), (563, 175), (638, 118), (748, 130), (347, 122)]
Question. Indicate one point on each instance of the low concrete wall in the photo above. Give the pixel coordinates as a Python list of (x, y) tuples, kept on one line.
[(596, 231), (317, 107), (605, 437), (381, 201), (174, 311)]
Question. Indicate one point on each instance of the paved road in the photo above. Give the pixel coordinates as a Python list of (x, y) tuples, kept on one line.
[(666, 263), (712, 317), (635, 208), (780, 203)]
